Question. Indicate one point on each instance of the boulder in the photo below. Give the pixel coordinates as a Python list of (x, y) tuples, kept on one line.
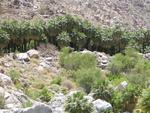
[(101, 105), (5, 80), (37, 108), (23, 56), (11, 101), (33, 53)]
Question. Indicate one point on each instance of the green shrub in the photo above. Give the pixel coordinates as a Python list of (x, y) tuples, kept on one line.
[(57, 80), (102, 90), (124, 63), (32, 93), (75, 61), (125, 100), (140, 73), (144, 101), (45, 95), (63, 54), (78, 104), (86, 78), (15, 75), (63, 39)]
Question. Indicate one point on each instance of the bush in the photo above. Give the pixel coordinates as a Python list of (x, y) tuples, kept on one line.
[(86, 78), (57, 80), (140, 73), (63, 39), (125, 100), (123, 63), (75, 60), (15, 75), (45, 95), (102, 90), (144, 101), (78, 104)]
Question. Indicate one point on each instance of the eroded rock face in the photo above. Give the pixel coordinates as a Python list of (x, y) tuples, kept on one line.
[(37, 108)]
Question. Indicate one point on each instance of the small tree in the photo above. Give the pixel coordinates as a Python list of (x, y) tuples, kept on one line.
[(78, 104)]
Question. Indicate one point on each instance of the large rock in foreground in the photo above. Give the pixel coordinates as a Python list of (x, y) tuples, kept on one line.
[(38, 108)]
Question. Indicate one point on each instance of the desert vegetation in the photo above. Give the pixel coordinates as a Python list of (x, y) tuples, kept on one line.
[(79, 70), (71, 31)]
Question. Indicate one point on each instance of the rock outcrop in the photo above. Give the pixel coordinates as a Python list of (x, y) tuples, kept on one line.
[(38, 108)]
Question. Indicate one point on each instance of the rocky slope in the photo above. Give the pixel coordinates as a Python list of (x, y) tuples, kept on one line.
[(37, 68), (32, 70), (128, 13)]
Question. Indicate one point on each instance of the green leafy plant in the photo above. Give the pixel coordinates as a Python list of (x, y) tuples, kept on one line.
[(45, 95), (63, 39), (57, 80), (78, 104)]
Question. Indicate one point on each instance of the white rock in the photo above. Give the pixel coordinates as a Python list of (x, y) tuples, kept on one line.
[(87, 51), (89, 98), (49, 58), (6, 80), (23, 56), (37, 108), (33, 53), (5, 111), (121, 86), (101, 105), (11, 101)]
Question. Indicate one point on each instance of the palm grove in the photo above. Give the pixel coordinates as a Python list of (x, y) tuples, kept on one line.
[(69, 31)]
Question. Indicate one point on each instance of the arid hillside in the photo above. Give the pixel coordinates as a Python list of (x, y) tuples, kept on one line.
[(128, 13)]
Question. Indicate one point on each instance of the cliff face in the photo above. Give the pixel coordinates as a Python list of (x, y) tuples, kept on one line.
[(129, 13)]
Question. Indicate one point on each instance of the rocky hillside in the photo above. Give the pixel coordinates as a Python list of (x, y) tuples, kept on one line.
[(128, 13)]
